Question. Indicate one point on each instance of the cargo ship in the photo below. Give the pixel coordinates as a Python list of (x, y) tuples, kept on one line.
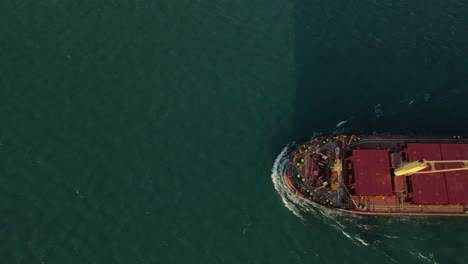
[(383, 175)]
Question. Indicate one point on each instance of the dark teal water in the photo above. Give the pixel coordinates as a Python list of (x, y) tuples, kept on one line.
[(147, 131)]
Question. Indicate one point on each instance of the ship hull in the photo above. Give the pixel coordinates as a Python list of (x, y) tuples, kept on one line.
[(355, 174)]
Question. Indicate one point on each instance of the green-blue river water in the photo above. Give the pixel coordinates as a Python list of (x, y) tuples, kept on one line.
[(152, 131)]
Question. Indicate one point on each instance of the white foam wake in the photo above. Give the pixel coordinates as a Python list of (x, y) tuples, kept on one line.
[(429, 258), (341, 123), (286, 194)]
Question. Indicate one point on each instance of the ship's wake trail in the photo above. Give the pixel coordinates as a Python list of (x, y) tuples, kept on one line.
[(362, 231)]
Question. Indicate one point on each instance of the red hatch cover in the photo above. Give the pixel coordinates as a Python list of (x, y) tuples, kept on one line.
[(372, 172), (427, 188), (457, 181)]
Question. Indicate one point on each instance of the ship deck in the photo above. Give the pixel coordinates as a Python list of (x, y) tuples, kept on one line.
[(356, 174)]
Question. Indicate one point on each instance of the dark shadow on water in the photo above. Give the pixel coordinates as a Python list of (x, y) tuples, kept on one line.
[(380, 69), (386, 67)]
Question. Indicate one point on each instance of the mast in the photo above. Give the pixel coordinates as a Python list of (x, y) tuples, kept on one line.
[(416, 167)]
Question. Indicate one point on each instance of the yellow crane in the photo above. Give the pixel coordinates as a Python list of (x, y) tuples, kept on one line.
[(416, 167)]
